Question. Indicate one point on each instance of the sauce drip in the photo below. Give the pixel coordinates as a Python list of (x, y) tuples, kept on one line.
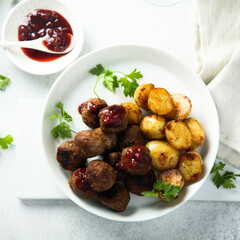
[(113, 116), (42, 22), (134, 156), (81, 179)]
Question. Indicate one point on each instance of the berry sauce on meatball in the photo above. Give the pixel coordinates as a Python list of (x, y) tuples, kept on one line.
[(79, 184), (135, 160)]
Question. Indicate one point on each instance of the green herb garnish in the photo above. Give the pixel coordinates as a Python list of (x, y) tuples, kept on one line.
[(62, 130), (169, 191), (4, 81), (225, 179), (6, 141), (111, 79)]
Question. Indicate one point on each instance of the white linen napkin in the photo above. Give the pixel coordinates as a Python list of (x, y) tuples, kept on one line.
[(217, 37)]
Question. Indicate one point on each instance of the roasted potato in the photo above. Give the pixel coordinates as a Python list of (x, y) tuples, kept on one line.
[(153, 126), (160, 101), (163, 155), (172, 176), (182, 107), (134, 113), (141, 95), (178, 135), (197, 132), (190, 165)]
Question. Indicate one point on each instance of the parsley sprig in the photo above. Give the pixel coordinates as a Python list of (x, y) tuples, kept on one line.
[(4, 81), (169, 191), (62, 130), (111, 79), (225, 179), (6, 141)]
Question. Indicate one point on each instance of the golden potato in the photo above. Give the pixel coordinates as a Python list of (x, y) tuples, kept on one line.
[(190, 165), (134, 113), (172, 176), (153, 126), (182, 107), (178, 135), (163, 155), (160, 101), (197, 132), (141, 95)]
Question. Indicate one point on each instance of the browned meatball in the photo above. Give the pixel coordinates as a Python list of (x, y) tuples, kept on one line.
[(135, 160), (79, 184), (69, 156), (112, 159), (90, 143), (128, 137), (113, 119), (109, 139), (116, 198), (101, 176), (89, 111), (138, 184)]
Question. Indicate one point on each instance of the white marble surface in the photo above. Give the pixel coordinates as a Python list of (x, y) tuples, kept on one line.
[(105, 22)]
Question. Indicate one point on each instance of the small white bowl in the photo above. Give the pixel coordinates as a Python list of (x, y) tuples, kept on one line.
[(10, 33)]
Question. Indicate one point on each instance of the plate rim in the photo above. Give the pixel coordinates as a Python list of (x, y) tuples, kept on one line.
[(82, 58)]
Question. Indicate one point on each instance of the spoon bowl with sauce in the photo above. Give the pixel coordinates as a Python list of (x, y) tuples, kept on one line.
[(48, 34), (45, 44)]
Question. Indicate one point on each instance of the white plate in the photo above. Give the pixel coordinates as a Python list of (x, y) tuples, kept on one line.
[(10, 33), (75, 85)]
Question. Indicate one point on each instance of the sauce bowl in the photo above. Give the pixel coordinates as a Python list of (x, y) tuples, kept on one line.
[(10, 33)]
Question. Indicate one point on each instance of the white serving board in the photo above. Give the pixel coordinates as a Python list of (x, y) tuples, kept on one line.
[(33, 178)]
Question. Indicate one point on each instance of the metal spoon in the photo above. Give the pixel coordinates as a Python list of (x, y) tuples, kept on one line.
[(37, 45)]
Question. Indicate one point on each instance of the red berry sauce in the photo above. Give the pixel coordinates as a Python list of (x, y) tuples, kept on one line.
[(134, 156), (113, 116), (81, 179), (42, 22)]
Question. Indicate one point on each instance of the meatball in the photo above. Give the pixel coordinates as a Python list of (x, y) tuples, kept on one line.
[(89, 111), (79, 184), (113, 119), (116, 198), (90, 143), (135, 160), (138, 184), (112, 159), (128, 137), (69, 156), (100, 175), (109, 139)]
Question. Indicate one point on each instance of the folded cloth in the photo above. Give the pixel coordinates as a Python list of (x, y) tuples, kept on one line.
[(217, 25), (225, 89), (217, 38)]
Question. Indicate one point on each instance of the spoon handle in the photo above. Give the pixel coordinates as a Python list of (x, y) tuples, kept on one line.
[(25, 44)]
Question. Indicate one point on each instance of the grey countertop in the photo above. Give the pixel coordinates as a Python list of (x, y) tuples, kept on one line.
[(62, 219)]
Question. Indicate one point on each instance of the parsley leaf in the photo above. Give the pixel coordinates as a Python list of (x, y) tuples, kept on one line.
[(62, 130), (135, 75), (98, 70), (65, 115), (112, 81), (4, 81), (225, 179), (129, 87), (169, 191), (4, 142)]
